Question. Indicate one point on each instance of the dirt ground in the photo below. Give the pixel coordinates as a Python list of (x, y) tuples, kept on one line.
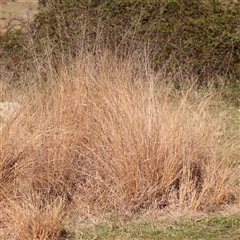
[(16, 14)]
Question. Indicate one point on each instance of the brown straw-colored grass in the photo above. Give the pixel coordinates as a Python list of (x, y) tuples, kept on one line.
[(105, 137)]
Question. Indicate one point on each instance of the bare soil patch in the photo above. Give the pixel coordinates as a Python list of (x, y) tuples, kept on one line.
[(16, 14)]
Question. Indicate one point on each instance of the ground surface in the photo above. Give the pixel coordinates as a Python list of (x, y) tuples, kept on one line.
[(218, 227), (16, 14)]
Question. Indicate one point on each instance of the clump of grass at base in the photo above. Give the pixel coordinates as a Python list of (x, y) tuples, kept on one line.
[(105, 137), (33, 218)]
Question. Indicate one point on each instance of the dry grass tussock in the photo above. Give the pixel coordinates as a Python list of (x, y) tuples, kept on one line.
[(105, 137)]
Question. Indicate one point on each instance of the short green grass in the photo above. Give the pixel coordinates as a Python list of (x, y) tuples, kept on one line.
[(210, 228)]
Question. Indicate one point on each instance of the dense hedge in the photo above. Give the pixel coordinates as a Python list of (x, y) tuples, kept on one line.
[(203, 36)]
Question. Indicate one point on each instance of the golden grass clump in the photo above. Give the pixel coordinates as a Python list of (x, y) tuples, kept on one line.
[(31, 218), (105, 137)]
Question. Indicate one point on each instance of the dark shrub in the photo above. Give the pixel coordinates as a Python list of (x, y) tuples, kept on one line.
[(201, 36)]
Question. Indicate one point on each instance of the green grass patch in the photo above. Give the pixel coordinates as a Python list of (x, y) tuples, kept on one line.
[(217, 227)]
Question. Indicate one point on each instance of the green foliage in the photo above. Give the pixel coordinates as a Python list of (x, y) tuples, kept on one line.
[(13, 50), (232, 93), (202, 36)]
